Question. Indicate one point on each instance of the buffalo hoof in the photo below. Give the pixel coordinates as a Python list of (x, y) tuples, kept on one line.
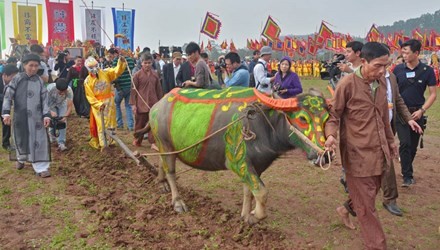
[(164, 187), (180, 207), (251, 220)]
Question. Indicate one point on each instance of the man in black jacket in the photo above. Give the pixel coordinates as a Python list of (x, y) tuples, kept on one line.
[(185, 73), (170, 72), (9, 71)]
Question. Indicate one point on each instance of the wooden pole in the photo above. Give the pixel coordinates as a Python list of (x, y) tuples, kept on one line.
[(140, 161)]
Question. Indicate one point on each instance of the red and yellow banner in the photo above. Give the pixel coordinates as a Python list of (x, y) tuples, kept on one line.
[(60, 21), (28, 22)]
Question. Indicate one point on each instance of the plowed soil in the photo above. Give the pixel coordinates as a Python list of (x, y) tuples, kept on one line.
[(103, 200)]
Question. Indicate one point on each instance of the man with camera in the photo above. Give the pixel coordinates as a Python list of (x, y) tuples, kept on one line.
[(236, 73), (352, 56), (60, 101), (262, 81), (413, 77)]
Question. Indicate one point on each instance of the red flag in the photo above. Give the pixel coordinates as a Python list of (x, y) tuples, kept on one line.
[(416, 34), (288, 43), (232, 47), (311, 48), (324, 33), (301, 48), (224, 45), (211, 26), (248, 44), (60, 21), (279, 45), (257, 45), (373, 35), (271, 30)]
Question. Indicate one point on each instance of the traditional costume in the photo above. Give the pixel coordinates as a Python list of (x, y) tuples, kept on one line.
[(29, 96), (99, 91)]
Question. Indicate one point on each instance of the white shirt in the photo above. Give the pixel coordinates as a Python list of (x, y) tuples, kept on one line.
[(176, 70), (161, 63), (389, 95), (260, 75)]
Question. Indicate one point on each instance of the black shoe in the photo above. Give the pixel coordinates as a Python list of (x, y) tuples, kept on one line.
[(408, 182), (393, 209)]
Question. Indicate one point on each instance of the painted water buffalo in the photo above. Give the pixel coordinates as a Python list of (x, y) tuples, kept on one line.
[(249, 131)]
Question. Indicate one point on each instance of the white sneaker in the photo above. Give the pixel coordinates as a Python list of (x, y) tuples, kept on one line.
[(62, 147)]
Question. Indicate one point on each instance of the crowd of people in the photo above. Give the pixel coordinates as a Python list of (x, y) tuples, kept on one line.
[(373, 92)]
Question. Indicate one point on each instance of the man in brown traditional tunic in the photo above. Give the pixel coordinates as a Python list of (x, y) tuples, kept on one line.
[(144, 94), (359, 110)]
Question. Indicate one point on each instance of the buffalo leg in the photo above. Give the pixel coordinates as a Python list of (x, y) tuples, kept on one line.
[(261, 199), (247, 202), (161, 178), (169, 164)]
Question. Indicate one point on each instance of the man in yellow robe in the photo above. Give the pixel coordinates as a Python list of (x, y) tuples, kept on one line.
[(99, 93), (299, 69), (316, 68)]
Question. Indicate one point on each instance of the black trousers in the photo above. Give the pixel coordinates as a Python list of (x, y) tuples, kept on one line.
[(6, 132), (409, 140)]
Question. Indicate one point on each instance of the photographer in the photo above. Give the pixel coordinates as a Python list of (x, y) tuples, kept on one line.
[(220, 68), (236, 73), (262, 81), (287, 83), (353, 56), (63, 64), (60, 101)]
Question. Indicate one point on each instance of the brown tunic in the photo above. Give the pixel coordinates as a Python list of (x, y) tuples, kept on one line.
[(363, 122), (148, 86)]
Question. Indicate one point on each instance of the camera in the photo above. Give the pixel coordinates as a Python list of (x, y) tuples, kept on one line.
[(221, 64), (332, 72), (56, 124)]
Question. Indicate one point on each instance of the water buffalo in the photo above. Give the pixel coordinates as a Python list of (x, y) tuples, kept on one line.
[(250, 130)]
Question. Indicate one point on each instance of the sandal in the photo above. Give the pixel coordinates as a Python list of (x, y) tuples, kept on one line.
[(44, 174), (19, 165)]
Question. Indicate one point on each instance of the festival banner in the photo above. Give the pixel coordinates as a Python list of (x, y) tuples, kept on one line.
[(123, 21), (60, 21), (232, 46), (373, 35), (2, 26), (211, 26), (93, 22), (324, 34), (311, 46), (271, 30), (28, 22)]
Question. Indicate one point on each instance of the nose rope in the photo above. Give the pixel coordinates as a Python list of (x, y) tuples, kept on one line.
[(321, 153), (321, 159)]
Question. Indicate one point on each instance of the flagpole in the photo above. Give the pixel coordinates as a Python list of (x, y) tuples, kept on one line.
[(200, 33)]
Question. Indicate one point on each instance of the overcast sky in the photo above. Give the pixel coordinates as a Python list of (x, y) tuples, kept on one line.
[(175, 22)]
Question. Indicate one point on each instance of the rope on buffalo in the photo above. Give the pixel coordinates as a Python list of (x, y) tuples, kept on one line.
[(200, 141), (321, 153)]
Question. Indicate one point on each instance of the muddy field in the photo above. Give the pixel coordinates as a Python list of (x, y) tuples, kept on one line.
[(96, 200)]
